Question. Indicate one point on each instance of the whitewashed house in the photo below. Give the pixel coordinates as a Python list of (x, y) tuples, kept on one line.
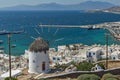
[(56, 59), (78, 58), (115, 55), (97, 68), (94, 54), (61, 48), (38, 56)]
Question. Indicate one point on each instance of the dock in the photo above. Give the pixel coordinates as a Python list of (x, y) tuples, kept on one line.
[(112, 27), (65, 26)]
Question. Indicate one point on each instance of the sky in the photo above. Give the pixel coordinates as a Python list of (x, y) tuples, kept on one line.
[(8, 3)]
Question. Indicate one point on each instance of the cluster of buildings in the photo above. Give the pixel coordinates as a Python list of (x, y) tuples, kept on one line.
[(39, 58), (79, 53)]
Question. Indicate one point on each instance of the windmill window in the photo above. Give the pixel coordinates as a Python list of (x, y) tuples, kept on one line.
[(37, 66), (33, 61)]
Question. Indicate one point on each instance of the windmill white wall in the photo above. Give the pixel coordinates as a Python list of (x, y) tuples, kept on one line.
[(37, 60), (38, 56)]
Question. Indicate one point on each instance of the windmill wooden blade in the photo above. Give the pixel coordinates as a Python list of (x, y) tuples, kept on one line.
[(41, 27), (36, 30), (59, 39), (56, 32), (33, 37)]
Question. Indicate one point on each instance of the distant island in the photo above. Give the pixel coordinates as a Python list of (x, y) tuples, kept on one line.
[(115, 9), (88, 5)]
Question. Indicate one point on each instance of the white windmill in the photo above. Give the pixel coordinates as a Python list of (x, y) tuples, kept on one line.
[(38, 52)]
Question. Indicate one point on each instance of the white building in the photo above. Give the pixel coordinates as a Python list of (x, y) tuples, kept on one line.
[(115, 55), (57, 59), (38, 56), (61, 48), (97, 68), (78, 58), (94, 54)]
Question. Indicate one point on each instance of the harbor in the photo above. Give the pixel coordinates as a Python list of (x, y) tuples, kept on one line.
[(112, 27), (59, 40), (38, 46)]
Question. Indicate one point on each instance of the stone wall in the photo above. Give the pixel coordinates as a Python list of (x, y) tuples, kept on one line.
[(77, 73)]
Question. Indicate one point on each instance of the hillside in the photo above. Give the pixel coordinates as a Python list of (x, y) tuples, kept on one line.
[(88, 5), (115, 9)]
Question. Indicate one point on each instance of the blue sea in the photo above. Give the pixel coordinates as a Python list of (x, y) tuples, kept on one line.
[(30, 21)]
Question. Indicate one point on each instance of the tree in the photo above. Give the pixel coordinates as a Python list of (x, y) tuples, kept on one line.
[(12, 78), (84, 66)]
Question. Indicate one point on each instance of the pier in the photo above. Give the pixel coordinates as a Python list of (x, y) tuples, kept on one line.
[(112, 27), (66, 26)]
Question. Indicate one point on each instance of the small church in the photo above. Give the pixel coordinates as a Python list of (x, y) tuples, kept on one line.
[(38, 56)]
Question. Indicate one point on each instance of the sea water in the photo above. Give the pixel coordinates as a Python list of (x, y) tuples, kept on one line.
[(30, 21)]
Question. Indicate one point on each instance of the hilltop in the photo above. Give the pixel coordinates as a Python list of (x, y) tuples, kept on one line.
[(88, 5)]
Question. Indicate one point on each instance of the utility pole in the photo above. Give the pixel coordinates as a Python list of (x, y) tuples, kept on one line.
[(107, 51), (9, 51), (9, 33)]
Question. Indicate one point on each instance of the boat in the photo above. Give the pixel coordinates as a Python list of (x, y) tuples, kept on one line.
[(1, 47), (3, 32), (93, 27), (1, 41), (14, 45), (1, 51)]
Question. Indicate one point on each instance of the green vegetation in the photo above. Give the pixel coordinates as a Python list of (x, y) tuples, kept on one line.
[(111, 79), (101, 65), (109, 76), (83, 66), (88, 77), (62, 67), (12, 78), (43, 79)]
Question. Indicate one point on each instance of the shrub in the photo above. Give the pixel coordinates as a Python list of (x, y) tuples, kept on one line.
[(8, 78), (84, 66), (88, 77), (111, 79), (105, 76), (108, 76), (43, 79), (62, 66), (101, 65)]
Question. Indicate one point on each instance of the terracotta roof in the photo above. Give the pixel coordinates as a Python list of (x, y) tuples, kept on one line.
[(39, 45)]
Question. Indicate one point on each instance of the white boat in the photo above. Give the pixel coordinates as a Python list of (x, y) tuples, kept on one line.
[(1, 41), (14, 45)]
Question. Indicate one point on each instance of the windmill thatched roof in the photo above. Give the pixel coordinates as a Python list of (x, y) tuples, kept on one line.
[(39, 45)]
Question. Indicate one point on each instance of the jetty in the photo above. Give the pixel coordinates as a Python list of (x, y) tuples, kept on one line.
[(69, 26), (112, 27)]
